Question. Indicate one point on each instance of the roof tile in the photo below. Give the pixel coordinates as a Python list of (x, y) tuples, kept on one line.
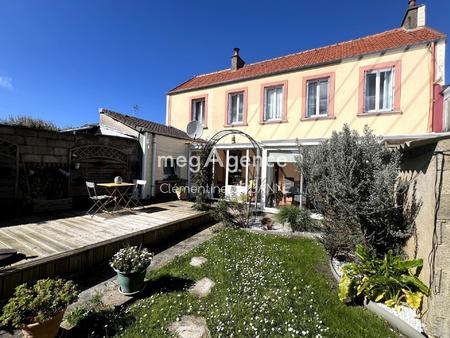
[(395, 38)]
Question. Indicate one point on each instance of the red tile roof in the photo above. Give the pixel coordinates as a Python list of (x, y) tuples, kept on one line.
[(391, 39)]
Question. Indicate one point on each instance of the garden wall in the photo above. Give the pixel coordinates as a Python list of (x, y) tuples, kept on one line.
[(45, 168), (427, 163)]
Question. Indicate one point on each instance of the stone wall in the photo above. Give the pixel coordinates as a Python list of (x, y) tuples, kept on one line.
[(428, 165), (45, 167)]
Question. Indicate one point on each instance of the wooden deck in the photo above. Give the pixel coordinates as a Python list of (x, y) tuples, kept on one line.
[(73, 244)]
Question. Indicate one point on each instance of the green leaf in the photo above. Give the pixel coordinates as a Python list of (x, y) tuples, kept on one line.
[(345, 286), (380, 297), (413, 299)]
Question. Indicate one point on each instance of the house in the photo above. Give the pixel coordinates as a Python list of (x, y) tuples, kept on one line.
[(391, 81), (159, 144), (446, 94)]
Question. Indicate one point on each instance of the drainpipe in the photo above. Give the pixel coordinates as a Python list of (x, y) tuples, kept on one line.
[(433, 77), (153, 166)]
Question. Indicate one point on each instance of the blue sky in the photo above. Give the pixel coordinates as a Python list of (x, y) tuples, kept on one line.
[(61, 60)]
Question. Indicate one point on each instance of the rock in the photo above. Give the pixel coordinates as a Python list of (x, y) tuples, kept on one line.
[(203, 287), (198, 261), (190, 327)]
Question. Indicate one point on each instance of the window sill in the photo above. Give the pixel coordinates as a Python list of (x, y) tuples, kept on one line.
[(318, 118), (273, 122), (380, 113), (235, 125)]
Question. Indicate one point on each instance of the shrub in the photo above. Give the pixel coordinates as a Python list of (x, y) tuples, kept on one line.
[(131, 259), (38, 303), (30, 122), (233, 213), (298, 219), (352, 181), (389, 279)]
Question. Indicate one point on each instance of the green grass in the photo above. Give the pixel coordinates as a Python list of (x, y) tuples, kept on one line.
[(265, 285)]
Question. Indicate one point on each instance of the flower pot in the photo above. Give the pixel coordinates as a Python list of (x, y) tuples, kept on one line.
[(47, 329), (131, 283)]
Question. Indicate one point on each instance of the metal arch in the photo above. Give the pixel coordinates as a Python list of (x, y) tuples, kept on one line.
[(256, 175)]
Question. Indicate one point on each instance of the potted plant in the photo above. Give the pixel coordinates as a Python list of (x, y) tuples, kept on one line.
[(39, 310), (131, 264)]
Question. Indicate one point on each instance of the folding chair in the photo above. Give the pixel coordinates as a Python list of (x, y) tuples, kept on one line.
[(100, 201), (135, 196)]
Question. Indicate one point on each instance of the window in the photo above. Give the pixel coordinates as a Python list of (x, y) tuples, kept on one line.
[(198, 110), (379, 90), (318, 98), (273, 103), (235, 108)]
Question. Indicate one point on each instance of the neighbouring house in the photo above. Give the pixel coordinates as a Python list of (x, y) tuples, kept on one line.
[(446, 94), (390, 81), (159, 143)]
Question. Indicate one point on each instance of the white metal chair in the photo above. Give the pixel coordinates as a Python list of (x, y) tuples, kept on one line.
[(100, 201), (135, 196)]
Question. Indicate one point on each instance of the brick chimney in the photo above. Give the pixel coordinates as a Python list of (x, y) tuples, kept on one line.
[(236, 61), (415, 15)]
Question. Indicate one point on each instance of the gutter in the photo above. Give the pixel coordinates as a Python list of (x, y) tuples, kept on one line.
[(394, 321)]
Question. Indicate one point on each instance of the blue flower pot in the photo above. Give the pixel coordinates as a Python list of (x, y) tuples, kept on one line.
[(131, 283)]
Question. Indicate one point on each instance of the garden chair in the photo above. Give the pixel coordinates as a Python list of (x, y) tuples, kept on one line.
[(100, 201), (135, 196)]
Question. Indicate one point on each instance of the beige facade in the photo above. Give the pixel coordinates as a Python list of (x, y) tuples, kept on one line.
[(412, 118)]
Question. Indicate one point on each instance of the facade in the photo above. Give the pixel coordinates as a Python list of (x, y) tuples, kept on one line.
[(446, 95), (391, 82)]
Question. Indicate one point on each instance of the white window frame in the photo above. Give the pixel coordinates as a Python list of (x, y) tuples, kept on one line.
[(239, 94), (194, 109), (377, 89), (265, 103), (317, 113)]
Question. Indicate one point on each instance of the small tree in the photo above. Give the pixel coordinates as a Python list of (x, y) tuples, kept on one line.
[(202, 179), (354, 182)]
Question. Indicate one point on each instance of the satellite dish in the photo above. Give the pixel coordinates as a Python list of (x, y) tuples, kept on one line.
[(194, 129)]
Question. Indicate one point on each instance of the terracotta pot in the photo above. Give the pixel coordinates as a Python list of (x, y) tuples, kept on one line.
[(47, 329)]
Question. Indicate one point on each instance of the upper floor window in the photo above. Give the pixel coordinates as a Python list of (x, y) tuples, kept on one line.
[(198, 110), (235, 108), (318, 98), (273, 103), (379, 90)]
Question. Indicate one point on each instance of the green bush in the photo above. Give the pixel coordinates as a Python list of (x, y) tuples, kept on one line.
[(387, 280), (298, 218), (233, 212), (353, 181), (30, 122), (38, 303)]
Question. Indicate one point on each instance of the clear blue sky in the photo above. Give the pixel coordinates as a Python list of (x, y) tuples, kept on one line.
[(61, 60)]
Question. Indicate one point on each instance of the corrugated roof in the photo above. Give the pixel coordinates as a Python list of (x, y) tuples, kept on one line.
[(145, 125), (391, 39)]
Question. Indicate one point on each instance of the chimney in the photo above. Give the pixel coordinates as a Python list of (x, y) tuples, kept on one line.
[(236, 61), (415, 15)]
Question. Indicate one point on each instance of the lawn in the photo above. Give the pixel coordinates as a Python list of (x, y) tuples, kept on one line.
[(266, 286)]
